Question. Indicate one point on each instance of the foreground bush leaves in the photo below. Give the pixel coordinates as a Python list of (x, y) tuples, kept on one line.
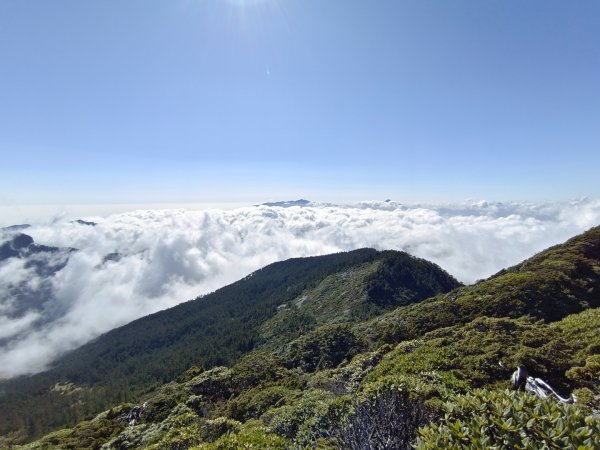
[(510, 420)]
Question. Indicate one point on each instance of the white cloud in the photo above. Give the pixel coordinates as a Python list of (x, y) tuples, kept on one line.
[(10, 327), (169, 256)]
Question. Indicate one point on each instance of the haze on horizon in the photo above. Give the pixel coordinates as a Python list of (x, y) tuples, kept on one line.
[(244, 101)]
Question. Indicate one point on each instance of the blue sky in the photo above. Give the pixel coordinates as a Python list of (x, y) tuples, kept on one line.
[(254, 100)]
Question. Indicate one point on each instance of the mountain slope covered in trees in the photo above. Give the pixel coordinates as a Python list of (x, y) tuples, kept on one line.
[(216, 329), (357, 361)]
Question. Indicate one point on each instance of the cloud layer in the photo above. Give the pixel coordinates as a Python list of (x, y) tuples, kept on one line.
[(157, 259)]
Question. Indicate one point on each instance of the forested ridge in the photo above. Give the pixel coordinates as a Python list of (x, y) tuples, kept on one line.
[(212, 330), (363, 349)]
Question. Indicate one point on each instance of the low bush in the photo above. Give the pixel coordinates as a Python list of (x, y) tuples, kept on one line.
[(510, 420)]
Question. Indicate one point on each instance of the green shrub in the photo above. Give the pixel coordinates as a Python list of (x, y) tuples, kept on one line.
[(510, 420), (158, 408), (179, 438), (134, 437), (257, 438), (319, 427), (256, 368), (589, 373), (586, 398), (287, 420), (323, 348), (190, 373), (213, 429), (85, 435), (198, 404), (253, 403), (216, 383), (175, 432), (160, 404), (346, 379)]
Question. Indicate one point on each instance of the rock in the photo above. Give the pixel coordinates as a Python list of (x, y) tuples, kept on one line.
[(537, 386), (134, 416)]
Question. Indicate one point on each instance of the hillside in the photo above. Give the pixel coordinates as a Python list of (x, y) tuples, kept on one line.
[(378, 396), (213, 330), (562, 280), (390, 373)]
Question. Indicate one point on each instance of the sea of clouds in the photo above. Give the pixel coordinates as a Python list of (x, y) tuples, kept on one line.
[(164, 257)]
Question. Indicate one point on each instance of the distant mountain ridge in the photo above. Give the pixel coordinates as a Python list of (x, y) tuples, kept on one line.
[(288, 203), (45, 261), (14, 228)]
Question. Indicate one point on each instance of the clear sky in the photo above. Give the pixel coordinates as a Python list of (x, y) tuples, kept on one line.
[(332, 100)]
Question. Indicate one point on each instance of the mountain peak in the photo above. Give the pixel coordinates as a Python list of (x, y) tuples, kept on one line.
[(287, 203)]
